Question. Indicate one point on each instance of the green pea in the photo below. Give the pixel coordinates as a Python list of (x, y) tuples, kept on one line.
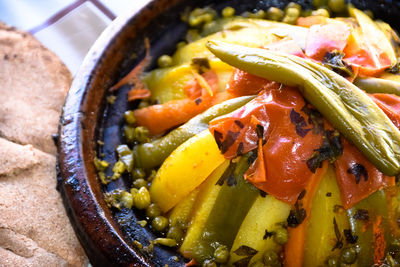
[(209, 263), (348, 255), (221, 254), (207, 17), (194, 21), (332, 262), (138, 173), (119, 198), (228, 12), (140, 183), (281, 236), (142, 199), (168, 242), (210, 28), (293, 5), (153, 210), (164, 61), (180, 44), (100, 165), (103, 178), (275, 14), (292, 12), (337, 5), (260, 14), (129, 117), (319, 3), (134, 191), (175, 233), (142, 134), (270, 258), (306, 13), (289, 20), (321, 12), (159, 223), (129, 133), (118, 169), (126, 199)]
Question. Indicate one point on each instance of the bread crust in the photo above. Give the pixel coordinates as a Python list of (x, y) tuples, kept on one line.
[(34, 84), (34, 227)]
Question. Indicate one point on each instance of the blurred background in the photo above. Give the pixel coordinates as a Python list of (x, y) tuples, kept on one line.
[(66, 27)]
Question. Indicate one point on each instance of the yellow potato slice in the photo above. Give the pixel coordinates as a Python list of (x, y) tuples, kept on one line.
[(265, 214), (185, 169)]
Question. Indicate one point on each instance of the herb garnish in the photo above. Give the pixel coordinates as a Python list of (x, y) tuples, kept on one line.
[(227, 175), (358, 171), (350, 238), (239, 124), (244, 251), (299, 123), (229, 141), (334, 60), (361, 214), (268, 234), (315, 118), (330, 149), (339, 238), (260, 131), (239, 150), (297, 216), (201, 65)]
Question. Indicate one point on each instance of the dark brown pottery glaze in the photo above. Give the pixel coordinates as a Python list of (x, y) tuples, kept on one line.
[(108, 235)]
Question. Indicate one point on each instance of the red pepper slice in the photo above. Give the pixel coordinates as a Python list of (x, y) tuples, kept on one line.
[(357, 177), (324, 38), (281, 168)]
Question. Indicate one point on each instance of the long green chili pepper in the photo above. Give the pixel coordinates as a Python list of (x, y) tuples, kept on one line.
[(376, 85), (152, 154), (342, 103)]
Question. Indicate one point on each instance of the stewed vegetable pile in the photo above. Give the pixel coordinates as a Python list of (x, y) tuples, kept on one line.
[(268, 139)]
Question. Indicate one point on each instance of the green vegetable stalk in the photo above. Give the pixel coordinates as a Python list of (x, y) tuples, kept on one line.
[(343, 104), (376, 85), (152, 154)]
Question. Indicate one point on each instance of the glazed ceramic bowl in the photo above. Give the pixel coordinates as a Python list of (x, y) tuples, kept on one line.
[(108, 236)]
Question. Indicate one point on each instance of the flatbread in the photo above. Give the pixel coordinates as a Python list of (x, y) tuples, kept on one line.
[(33, 86), (34, 227)]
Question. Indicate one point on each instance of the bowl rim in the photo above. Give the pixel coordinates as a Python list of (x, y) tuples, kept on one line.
[(72, 180)]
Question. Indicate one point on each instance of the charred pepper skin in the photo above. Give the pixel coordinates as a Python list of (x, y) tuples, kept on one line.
[(342, 103)]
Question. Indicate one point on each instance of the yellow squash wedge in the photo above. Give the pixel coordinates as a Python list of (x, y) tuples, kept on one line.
[(185, 169), (321, 238), (265, 214)]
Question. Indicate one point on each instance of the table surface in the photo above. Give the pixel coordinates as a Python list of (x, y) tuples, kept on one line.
[(66, 27)]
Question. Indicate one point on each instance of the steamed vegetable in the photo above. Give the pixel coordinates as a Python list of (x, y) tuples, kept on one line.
[(149, 155), (234, 199), (344, 105), (185, 169), (292, 169)]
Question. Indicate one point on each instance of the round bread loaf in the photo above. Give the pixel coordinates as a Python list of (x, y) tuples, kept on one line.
[(34, 227)]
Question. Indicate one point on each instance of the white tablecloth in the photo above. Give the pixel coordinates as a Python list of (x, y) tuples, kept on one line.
[(67, 27)]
